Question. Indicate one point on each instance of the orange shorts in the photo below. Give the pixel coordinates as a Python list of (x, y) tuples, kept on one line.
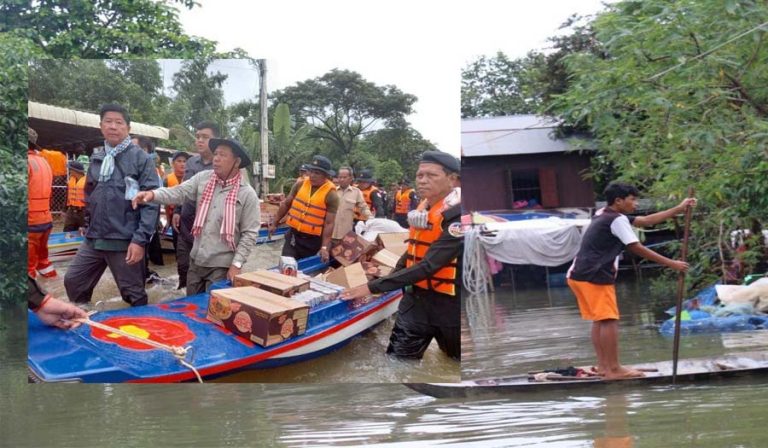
[(596, 302)]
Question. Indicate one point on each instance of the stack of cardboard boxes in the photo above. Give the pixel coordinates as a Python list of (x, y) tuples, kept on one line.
[(268, 307)]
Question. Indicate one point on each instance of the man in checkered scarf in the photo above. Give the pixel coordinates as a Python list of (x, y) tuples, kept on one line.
[(227, 221)]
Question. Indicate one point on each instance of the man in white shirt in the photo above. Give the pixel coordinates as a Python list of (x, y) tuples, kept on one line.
[(592, 275)]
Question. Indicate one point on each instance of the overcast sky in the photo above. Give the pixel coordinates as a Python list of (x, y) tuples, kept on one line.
[(418, 45)]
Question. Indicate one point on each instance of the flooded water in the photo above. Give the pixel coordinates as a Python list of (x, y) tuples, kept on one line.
[(515, 331), (521, 332), (362, 360)]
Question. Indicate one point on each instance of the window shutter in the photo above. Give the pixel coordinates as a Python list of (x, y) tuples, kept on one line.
[(548, 184)]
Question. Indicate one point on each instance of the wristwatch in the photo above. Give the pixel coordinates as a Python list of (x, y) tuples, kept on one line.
[(237, 264)]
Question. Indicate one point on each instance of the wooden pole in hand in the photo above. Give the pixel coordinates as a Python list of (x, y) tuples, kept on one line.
[(681, 289)]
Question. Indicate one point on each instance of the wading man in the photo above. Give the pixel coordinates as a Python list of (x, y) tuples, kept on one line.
[(226, 225), (592, 275), (430, 270), (311, 208), (116, 234)]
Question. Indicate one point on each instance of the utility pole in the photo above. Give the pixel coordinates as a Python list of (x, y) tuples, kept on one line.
[(264, 126)]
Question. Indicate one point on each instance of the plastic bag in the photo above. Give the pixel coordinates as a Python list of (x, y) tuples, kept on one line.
[(131, 188)]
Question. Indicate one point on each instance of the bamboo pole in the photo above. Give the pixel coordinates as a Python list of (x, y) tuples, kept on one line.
[(681, 289)]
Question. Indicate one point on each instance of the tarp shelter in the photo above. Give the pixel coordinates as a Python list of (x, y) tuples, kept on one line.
[(542, 242), (64, 129)]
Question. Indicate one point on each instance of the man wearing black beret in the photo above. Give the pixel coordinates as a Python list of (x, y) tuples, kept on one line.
[(430, 270)]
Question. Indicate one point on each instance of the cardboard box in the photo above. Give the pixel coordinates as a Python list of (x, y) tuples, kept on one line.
[(394, 242), (373, 270), (257, 315), (352, 248), (348, 276), (284, 285), (386, 258)]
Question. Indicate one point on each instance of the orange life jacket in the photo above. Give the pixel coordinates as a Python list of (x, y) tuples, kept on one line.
[(308, 210), (443, 281), (76, 192), (40, 181), (57, 160), (367, 198), (172, 181), (403, 201)]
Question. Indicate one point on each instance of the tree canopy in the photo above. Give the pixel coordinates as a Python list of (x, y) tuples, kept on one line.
[(674, 95), (342, 106), (103, 28), (67, 30)]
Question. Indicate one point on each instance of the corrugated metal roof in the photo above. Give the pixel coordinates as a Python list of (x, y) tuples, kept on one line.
[(511, 135), (60, 127)]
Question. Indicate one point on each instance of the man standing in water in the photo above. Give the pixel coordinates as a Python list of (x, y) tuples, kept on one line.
[(430, 270), (592, 275), (116, 235), (227, 221)]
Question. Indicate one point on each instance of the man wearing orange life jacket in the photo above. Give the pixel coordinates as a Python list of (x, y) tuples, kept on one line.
[(179, 164), (430, 270), (371, 194), (39, 216), (74, 217), (311, 211), (405, 201)]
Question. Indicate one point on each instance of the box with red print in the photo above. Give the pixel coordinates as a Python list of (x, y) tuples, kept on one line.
[(258, 315)]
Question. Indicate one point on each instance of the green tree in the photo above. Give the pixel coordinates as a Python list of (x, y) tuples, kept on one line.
[(201, 91), (678, 99), (342, 106), (14, 54), (103, 29), (404, 145), (498, 85), (86, 84), (389, 172), (57, 29)]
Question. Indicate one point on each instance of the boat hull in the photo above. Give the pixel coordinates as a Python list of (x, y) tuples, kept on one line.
[(658, 373), (83, 355)]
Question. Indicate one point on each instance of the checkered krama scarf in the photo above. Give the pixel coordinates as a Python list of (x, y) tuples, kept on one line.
[(228, 223)]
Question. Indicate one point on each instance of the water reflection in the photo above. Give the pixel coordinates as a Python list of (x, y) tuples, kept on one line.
[(514, 331)]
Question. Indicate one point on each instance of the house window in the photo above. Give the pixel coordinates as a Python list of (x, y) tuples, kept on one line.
[(534, 188), (526, 190)]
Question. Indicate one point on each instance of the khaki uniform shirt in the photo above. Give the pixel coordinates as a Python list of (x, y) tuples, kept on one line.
[(209, 250), (349, 198)]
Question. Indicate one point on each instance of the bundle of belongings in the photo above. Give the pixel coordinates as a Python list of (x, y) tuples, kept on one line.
[(723, 308)]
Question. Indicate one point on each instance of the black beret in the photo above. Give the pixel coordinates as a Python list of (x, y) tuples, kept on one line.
[(441, 158)]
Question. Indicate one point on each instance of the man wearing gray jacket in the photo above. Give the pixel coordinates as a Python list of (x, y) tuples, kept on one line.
[(227, 220), (116, 234)]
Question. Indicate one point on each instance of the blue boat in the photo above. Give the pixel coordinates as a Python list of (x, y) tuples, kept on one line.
[(90, 355)]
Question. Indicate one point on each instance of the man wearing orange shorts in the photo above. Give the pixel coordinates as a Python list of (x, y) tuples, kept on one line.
[(592, 275)]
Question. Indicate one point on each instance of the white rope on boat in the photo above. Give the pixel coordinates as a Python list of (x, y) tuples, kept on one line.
[(180, 353), (476, 273)]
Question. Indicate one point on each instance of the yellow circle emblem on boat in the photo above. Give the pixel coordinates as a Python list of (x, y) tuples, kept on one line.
[(131, 329)]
